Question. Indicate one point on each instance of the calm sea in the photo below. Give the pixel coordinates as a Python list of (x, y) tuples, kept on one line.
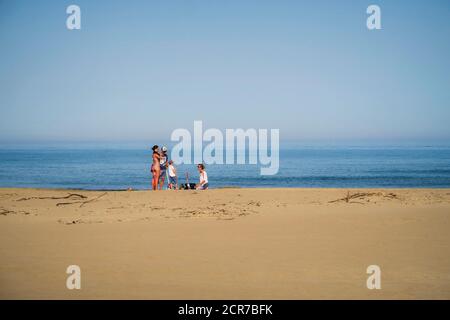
[(120, 167)]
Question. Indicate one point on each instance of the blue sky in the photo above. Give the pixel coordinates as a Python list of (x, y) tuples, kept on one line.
[(139, 69)]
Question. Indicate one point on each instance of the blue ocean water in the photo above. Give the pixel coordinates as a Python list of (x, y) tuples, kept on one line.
[(120, 167)]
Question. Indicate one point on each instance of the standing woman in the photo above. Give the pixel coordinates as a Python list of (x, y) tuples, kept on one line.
[(155, 167)]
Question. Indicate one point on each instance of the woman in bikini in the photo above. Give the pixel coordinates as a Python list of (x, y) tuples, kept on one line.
[(156, 170)]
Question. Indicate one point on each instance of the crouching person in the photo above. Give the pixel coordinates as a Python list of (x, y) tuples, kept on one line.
[(203, 185)]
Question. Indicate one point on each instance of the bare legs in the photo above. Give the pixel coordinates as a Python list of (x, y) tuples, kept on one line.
[(161, 184), (155, 178)]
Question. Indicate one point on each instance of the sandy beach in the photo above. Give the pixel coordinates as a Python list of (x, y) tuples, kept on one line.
[(225, 243)]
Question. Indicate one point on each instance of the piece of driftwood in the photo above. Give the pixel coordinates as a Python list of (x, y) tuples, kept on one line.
[(71, 195), (4, 212), (360, 195), (82, 203)]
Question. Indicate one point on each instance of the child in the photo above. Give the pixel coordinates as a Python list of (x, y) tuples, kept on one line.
[(173, 179), (203, 185)]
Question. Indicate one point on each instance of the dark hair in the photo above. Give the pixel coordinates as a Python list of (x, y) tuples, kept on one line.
[(154, 147), (201, 165)]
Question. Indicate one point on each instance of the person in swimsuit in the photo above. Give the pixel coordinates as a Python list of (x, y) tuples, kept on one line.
[(156, 170)]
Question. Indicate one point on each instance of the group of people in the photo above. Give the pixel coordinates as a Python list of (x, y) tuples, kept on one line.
[(162, 167)]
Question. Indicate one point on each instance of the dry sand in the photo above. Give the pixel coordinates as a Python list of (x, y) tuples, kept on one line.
[(225, 244)]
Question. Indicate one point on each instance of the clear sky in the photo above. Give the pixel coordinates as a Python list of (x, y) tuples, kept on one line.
[(139, 69)]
